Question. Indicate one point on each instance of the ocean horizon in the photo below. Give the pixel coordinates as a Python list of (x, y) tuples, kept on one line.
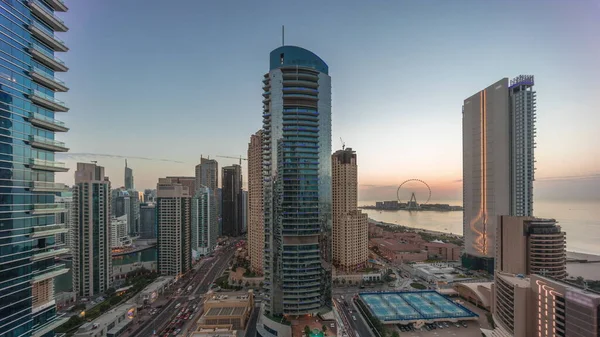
[(580, 220)]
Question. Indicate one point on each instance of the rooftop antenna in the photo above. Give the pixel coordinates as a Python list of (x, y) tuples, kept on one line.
[(282, 35)]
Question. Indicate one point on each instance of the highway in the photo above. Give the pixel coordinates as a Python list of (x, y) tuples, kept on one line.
[(201, 276)]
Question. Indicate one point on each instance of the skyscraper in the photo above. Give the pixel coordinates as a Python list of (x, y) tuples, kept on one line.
[(66, 199), (92, 260), (498, 163), (28, 105), (148, 221), (204, 221), (189, 182), (118, 228), (173, 218), (128, 177), (207, 173), (529, 245), (232, 200), (127, 203), (350, 232), (256, 226), (297, 182)]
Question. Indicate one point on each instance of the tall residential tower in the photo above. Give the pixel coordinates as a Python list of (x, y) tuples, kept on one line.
[(29, 84), (204, 221), (350, 232), (297, 182), (173, 219), (256, 224), (92, 260), (498, 163), (128, 177)]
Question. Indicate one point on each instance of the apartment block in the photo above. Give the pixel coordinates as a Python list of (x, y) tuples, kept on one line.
[(256, 216)]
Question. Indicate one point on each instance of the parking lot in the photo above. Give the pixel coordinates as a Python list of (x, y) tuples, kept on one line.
[(472, 330)]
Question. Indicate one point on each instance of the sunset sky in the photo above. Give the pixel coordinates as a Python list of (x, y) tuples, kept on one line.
[(172, 82)]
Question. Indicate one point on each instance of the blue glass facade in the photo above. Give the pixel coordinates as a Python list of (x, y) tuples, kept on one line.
[(27, 165), (297, 182)]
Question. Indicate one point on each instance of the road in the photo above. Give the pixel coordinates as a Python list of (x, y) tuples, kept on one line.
[(200, 276), (358, 328), (251, 326)]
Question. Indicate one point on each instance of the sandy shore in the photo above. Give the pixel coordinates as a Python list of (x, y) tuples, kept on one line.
[(570, 255)]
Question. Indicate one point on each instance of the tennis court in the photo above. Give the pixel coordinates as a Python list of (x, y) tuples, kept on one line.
[(411, 306)]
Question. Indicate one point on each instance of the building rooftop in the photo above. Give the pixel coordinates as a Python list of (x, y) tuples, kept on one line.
[(225, 311), (517, 280), (91, 328), (157, 284), (394, 245)]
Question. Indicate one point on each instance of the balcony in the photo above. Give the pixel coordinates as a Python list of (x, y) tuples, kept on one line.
[(47, 16), (47, 80), (47, 36), (48, 230), (49, 254), (58, 5), (49, 273), (47, 123), (48, 59), (47, 165), (48, 208), (45, 186), (47, 101), (47, 144)]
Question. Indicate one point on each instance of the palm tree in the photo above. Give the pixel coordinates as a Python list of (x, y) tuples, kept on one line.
[(343, 281)]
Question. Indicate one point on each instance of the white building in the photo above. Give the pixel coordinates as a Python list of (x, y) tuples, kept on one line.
[(204, 221), (92, 260), (119, 237), (498, 163)]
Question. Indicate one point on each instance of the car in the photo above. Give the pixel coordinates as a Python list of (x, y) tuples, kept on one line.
[(354, 318), (464, 324)]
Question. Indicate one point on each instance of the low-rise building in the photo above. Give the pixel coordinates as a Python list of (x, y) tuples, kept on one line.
[(375, 231), (478, 293), (232, 309), (223, 330), (398, 252), (442, 251), (111, 324)]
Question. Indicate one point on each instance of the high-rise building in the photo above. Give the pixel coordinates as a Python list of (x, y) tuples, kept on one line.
[(128, 177), (256, 226), (350, 232), (149, 195), (525, 306), (65, 238), (232, 200), (127, 203), (297, 183), (148, 220), (498, 163), (173, 219), (28, 103), (244, 211), (204, 221), (207, 173), (189, 182), (118, 227), (528, 245), (92, 260)]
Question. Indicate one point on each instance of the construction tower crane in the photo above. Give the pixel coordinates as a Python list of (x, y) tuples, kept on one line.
[(240, 158)]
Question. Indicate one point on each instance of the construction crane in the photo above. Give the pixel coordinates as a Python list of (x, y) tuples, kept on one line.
[(343, 144), (240, 158)]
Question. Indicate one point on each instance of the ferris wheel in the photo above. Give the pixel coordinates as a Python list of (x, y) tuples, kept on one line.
[(408, 186)]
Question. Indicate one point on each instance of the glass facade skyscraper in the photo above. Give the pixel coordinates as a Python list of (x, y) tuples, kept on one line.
[(27, 165), (297, 182)]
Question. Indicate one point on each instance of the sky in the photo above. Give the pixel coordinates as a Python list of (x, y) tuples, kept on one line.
[(179, 79)]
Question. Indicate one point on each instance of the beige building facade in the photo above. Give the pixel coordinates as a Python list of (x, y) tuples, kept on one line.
[(529, 245), (231, 309), (92, 260), (256, 223), (544, 307), (173, 216), (350, 232)]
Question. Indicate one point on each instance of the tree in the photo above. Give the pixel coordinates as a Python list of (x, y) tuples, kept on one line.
[(324, 328), (336, 281), (343, 281), (247, 284), (307, 330), (395, 334), (109, 292), (261, 284), (239, 282)]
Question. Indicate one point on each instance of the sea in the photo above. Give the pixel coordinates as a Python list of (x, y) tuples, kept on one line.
[(580, 220)]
